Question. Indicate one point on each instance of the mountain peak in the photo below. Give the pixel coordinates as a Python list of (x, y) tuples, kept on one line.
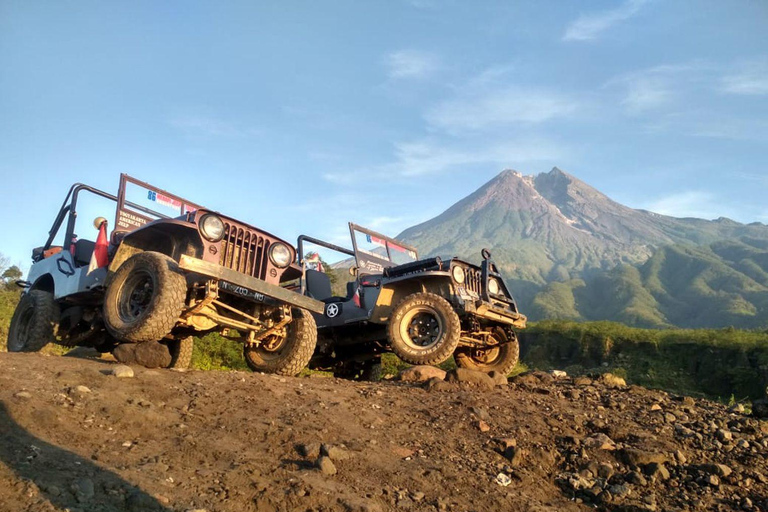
[(557, 171)]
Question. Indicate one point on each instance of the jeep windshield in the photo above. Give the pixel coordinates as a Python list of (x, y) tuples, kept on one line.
[(139, 203), (374, 252)]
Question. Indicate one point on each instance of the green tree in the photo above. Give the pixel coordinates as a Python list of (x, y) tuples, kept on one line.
[(10, 275), (9, 296)]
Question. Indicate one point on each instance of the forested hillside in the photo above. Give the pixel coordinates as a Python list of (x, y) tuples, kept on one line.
[(570, 252)]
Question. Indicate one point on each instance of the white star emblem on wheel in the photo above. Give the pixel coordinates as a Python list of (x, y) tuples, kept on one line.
[(332, 310)]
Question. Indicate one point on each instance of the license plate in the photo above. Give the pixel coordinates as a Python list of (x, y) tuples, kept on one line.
[(241, 291)]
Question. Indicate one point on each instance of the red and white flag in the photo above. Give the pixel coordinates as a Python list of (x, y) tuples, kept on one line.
[(356, 297), (100, 256)]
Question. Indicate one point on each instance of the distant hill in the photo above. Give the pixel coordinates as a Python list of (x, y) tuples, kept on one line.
[(572, 252)]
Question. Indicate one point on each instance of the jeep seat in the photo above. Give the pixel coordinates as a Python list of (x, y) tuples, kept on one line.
[(318, 285), (83, 252)]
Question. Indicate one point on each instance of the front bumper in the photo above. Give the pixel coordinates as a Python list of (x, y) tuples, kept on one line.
[(277, 293), (499, 314)]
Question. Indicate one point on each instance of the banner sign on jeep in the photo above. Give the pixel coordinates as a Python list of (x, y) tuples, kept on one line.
[(130, 220), (170, 202)]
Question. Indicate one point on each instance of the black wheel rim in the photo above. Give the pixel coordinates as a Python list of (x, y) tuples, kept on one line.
[(136, 296), (422, 328)]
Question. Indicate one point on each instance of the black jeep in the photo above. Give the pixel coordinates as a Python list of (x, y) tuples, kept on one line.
[(380, 296), (160, 278)]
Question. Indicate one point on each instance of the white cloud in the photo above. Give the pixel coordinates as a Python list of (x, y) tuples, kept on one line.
[(430, 157), (750, 79), (211, 127), (647, 93), (692, 203), (659, 86), (410, 64), (588, 26), (422, 158), (383, 222), (733, 129), (496, 107)]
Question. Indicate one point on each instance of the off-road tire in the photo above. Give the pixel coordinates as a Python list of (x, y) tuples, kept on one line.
[(449, 325), (504, 361), (293, 354), (370, 371), (163, 306), (34, 322), (181, 353)]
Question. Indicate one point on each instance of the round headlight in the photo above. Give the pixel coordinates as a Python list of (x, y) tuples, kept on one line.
[(212, 227), (493, 286), (458, 274), (280, 255)]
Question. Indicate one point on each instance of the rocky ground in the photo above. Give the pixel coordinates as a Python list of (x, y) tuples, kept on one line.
[(74, 436)]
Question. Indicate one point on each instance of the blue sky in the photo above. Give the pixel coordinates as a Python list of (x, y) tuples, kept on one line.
[(301, 116)]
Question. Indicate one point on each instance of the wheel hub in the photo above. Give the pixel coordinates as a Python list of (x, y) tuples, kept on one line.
[(424, 329), (139, 290)]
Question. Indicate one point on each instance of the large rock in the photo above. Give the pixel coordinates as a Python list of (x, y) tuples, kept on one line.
[(326, 465), (336, 453), (635, 458), (716, 469), (122, 371), (437, 384), (474, 377), (421, 373), (83, 489), (151, 354), (610, 380), (499, 378)]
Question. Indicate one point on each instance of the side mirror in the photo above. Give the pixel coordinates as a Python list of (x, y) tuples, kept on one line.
[(98, 221), (353, 271), (486, 254)]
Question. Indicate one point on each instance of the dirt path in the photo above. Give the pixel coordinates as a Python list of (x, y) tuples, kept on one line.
[(218, 441)]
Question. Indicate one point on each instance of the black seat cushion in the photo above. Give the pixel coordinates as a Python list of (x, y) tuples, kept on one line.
[(318, 285), (83, 252), (351, 288)]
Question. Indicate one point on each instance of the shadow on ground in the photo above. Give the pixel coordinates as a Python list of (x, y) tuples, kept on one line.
[(65, 479)]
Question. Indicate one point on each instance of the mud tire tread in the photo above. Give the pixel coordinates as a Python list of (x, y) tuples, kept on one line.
[(301, 342), (436, 354), (181, 353), (45, 320), (166, 307), (506, 363)]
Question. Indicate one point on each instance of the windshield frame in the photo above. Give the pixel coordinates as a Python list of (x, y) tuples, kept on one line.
[(370, 263)]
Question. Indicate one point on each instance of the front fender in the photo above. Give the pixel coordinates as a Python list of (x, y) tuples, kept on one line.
[(171, 237), (393, 292)]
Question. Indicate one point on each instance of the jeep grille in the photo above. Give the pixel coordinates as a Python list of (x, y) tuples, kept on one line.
[(244, 251), (473, 280)]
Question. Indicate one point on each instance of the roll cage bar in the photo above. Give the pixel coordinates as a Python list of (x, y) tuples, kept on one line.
[(353, 252), (68, 208)]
